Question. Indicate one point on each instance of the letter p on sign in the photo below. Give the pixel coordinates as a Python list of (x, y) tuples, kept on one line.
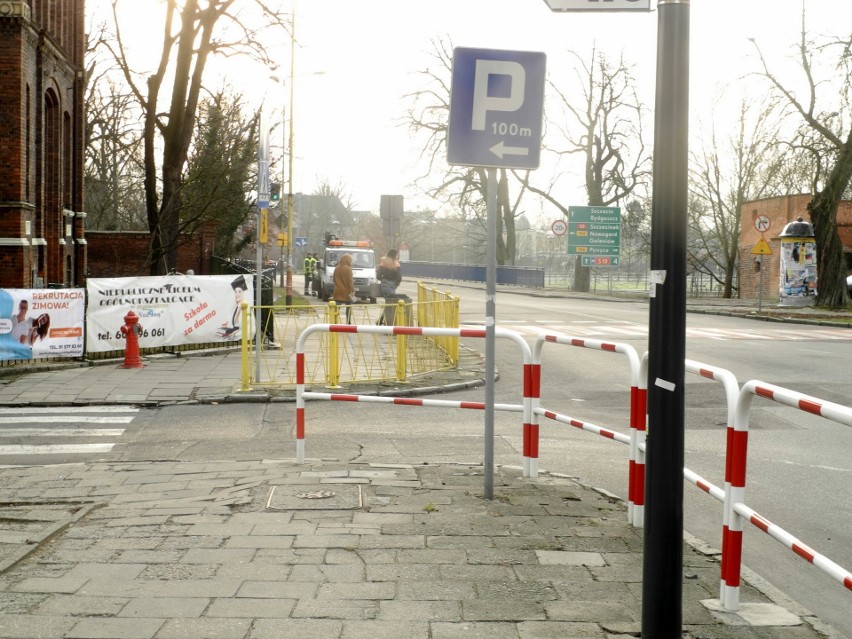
[(495, 74)]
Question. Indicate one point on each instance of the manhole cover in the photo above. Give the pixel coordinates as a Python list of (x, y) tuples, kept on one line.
[(341, 497)]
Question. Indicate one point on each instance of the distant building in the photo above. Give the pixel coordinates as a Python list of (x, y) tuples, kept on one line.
[(42, 85), (779, 211)]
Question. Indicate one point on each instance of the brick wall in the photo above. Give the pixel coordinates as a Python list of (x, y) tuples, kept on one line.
[(780, 211), (41, 142), (122, 254)]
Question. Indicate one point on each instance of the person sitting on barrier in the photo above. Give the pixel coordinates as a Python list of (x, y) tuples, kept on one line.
[(344, 285)]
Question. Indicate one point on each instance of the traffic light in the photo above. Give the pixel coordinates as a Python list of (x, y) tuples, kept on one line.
[(274, 192)]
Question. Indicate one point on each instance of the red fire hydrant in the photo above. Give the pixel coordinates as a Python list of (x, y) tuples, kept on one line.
[(131, 330)]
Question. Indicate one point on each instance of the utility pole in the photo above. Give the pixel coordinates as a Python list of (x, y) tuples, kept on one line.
[(662, 566), (288, 297)]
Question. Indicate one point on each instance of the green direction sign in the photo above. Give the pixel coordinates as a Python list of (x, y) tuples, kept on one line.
[(594, 231)]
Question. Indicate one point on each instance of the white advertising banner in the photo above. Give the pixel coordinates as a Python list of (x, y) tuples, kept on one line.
[(172, 310), (38, 323)]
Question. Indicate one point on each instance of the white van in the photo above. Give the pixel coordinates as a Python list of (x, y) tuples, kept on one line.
[(363, 268)]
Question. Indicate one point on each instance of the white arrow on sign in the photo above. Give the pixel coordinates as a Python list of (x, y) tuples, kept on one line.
[(501, 150)]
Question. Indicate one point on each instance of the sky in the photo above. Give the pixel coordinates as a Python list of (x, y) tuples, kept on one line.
[(356, 60)]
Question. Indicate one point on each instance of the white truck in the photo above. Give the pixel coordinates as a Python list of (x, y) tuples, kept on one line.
[(363, 268)]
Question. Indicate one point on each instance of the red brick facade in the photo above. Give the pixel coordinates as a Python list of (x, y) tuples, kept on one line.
[(780, 211), (122, 254), (42, 85)]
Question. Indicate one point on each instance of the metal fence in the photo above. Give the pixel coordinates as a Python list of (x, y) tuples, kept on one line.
[(517, 275), (345, 358)]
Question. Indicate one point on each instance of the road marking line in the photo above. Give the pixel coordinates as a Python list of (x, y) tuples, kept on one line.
[(47, 410), (61, 432), (66, 419), (56, 449)]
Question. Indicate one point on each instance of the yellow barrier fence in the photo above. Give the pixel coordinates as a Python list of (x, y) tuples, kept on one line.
[(439, 310), (335, 359)]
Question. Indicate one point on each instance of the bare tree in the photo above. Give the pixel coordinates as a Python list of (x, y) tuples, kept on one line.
[(724, 175), (604, 127), (193, 32), (463, 187), (825, 112), (115, 198), (636, 236)]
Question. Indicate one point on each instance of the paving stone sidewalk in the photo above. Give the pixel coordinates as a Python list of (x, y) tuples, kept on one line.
[(272, 549)]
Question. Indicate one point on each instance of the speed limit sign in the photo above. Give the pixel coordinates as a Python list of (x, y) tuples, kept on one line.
[(559, 227)]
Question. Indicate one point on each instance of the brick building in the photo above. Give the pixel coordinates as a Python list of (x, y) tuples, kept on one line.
[(42, 84), (780, 211)]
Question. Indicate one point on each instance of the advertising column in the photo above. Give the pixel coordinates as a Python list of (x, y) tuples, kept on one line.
[(798, 275)]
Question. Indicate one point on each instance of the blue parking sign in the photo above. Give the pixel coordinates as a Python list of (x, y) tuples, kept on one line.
[(496, 108)]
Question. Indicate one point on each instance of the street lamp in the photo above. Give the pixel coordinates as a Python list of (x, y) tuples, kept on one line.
[(283, 148), (288, 299)]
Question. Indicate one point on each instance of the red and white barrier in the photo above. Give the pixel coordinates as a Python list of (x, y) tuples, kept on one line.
[(737, 512), (732, 391), (410, 401), (302, 394), (586, 426), (638, 402)]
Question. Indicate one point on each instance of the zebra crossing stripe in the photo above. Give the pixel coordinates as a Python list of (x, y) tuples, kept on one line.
[(55, 449), (61, 432), (639, 330), (51, 422), (49, 410), (67, 419)]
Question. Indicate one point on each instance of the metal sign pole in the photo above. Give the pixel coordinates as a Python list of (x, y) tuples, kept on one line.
[(496, 108), (490, 325)]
